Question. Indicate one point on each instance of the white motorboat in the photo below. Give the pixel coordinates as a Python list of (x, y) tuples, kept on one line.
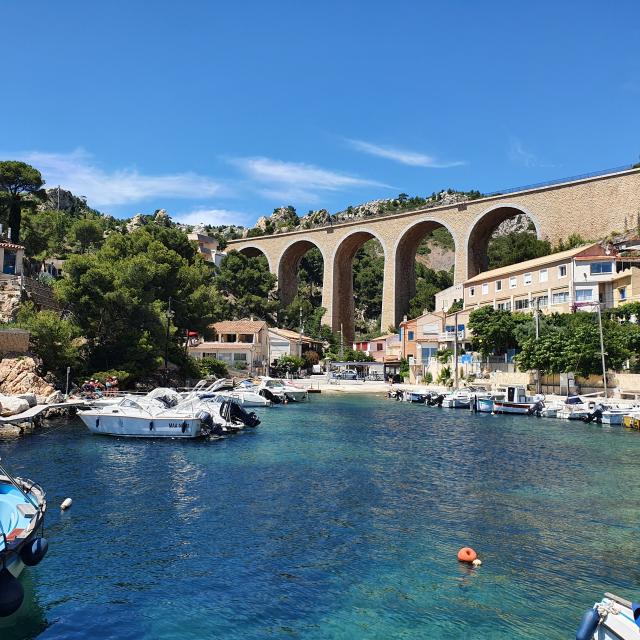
[(283, 390), (22, 508), (615, 414), (517, 401), (143, 418), (460, 399), (613, 618)]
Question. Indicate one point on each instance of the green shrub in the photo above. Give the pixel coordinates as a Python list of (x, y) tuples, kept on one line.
[(212, 367)]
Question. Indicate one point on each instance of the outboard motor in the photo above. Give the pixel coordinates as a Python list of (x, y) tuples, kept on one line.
[(265, 393), (436, 401), (536, 409), (594, 416), (209, 426), (247, 419)]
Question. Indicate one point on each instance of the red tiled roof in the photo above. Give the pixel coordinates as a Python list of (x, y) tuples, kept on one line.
[(239, 326)]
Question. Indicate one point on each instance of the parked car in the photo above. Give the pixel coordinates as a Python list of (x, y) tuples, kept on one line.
[(347, 374)]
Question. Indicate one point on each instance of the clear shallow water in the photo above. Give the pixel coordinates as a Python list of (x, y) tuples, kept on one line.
[(337, 519)]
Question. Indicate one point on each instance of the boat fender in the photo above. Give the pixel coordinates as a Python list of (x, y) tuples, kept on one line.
[(184, 427), (32, 554), (589, 625), (477, 562), (11, 593), (66, 503), (467, 554), (97, 423), (151, 426)]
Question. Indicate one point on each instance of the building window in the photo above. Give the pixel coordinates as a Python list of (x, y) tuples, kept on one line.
[(527, 278), (584, 295), (543, 275), (504, 306), (379, 346), (522, 304), (600, 267), (498, 285), (410, 334), (562, 271), (560, 297), (542, 301), (485, 288), (623, 293), (513, 282), (472, 291)]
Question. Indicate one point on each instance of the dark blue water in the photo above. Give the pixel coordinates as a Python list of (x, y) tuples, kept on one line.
[(337, 519)]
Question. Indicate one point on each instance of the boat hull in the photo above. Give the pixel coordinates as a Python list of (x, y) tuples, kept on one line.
[(612, 418), (141, 427), (485, 405), (521, 408)]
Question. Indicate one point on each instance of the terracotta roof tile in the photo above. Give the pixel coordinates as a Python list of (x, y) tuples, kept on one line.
[(239, 326)]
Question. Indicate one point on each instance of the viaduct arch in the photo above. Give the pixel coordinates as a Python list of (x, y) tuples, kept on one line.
[(592, 207)]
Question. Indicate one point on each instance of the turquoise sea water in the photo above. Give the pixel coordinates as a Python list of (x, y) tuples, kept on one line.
[(336, 519)]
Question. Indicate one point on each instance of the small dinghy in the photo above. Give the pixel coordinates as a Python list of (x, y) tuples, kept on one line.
[(22, 508), (613, 618)]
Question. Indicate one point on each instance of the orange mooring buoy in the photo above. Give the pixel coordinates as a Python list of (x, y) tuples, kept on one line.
[(467, 554)]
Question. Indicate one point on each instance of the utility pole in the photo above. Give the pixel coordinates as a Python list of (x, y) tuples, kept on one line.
[(341, 342), (537, 318), (455, 353), (300, 332), (58, 197), (604, 366), (166, 344)]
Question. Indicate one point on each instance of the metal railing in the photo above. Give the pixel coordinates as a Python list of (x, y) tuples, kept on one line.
[(550, 183)]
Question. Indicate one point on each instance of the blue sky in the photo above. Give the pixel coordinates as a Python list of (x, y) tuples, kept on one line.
[(220, 111)]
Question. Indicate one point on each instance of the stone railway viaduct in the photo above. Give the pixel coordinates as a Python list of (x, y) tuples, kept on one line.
[(592, 207)]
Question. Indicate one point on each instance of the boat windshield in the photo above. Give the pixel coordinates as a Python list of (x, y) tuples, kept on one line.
[(131, 404)]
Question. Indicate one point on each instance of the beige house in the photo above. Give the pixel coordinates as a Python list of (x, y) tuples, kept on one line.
[(241, 344), (559, 282), (284, 342), (208, 247)]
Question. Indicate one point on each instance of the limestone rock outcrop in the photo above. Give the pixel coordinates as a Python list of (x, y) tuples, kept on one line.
[(19, 376), (10, 405), (136, 222)]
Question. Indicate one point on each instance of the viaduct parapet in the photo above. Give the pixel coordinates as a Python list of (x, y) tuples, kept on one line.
[(592, 207)]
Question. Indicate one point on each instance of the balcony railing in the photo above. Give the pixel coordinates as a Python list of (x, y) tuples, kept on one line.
[(450, 336)]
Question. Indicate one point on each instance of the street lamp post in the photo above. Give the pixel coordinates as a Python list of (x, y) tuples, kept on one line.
[(166, 342)]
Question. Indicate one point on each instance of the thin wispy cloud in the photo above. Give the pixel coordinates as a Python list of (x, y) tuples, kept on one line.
[(78, 172), (403, 156), (214, 217), (296, 180), (521, 155)]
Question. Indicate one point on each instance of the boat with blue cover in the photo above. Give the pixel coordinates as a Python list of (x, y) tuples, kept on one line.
[(613, 618), (22, 508)]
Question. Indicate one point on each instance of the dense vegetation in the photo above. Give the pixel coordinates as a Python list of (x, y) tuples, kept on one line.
[(130, 295), (567, 342)]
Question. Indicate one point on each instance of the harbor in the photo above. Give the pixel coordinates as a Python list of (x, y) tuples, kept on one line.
[(327, 514)]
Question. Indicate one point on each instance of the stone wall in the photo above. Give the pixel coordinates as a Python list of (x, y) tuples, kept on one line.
[(14, 341)]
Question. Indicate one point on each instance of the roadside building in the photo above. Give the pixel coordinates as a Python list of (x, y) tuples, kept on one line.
[(241, 344), (408, 339), (207, 247), (382, 348), (557, 283), (11, 258), (284, 342), (446, 298)]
